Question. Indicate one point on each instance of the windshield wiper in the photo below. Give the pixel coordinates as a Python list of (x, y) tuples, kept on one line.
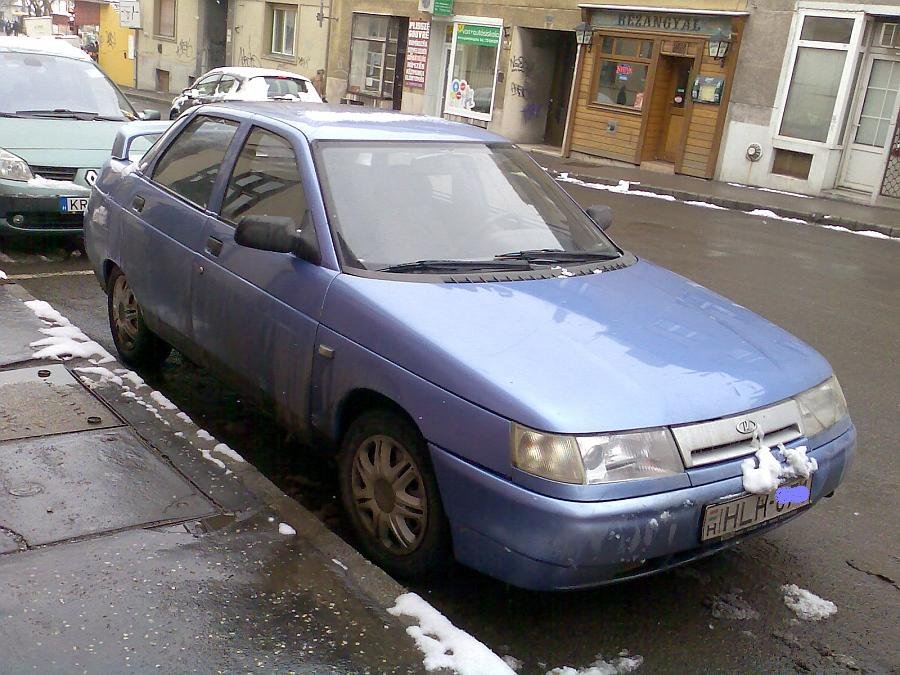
[(66, 113), (552, 255), (450, 266)]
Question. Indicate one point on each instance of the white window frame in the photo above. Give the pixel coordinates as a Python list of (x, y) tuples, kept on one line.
[(480, 21), (275, 7), (844, 93)]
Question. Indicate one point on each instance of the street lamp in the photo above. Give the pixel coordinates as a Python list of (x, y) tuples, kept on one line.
[(584, 34), (718, 45)]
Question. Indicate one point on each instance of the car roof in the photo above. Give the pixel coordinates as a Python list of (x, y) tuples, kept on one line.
[(42, 45), (320, 122), (246, 72)]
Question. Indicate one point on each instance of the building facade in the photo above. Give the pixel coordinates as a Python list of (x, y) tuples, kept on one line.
[(815, 106), (501, 65)]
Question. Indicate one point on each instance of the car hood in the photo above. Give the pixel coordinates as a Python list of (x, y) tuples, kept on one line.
[(45, 142), (627, 349)]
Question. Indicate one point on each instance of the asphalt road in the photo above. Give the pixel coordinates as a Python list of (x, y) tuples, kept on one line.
[(839, 292)]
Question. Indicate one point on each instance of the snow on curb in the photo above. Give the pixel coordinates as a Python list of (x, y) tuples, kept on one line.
[(807, 605), (624, 187), (66, 341), (623, 664), (445, 645)]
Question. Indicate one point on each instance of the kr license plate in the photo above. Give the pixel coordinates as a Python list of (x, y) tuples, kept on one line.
[(728, 518), (73, 204)]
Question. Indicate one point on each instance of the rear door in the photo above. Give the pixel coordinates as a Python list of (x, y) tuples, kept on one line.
[(164, 221), (257, 312)]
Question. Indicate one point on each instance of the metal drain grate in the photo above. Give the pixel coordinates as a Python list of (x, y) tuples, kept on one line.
[(48, 400)]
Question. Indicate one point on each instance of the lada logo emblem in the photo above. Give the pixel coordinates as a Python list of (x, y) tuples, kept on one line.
[(746, 426)]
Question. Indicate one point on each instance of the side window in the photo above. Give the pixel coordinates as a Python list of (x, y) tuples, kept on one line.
[(207, 86), (266, 182), (226, 85), (189, 166)]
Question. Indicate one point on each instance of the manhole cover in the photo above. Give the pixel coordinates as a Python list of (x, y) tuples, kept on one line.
[(26, 489), (48, 400)]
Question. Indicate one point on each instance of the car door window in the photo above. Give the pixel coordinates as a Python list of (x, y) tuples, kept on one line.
[(266, 182), (207, 85), (226, 85), (189, 166)]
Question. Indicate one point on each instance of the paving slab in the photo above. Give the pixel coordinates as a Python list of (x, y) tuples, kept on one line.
[(73, 485), (18, 328)]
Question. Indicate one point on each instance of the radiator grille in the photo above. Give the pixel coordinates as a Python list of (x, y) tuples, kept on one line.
[(55, 172)]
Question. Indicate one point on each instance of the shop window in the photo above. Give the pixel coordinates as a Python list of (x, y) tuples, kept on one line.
[(473, 70), (373, 54), (791, 163), (165, 18), (283, 19), (620, 77), (816, 77)]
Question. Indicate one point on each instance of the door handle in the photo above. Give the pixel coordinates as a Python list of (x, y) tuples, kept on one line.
[(138, 204), (213, 246)]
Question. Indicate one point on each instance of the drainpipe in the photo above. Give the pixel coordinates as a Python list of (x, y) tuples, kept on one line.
[(566, 148)]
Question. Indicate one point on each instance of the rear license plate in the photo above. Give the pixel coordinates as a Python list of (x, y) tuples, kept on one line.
[(735, 515), (73, 204)]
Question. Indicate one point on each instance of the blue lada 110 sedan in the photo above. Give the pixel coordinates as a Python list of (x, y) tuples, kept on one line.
[(500, 381)]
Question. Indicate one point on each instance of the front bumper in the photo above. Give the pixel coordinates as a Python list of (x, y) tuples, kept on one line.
[(39, 209), (542, 543)]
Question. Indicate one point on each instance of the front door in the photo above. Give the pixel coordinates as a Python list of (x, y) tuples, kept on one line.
[(672, 139), (874, 118)]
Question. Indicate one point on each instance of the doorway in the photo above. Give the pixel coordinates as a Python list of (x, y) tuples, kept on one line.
[(874, 118), (560, 87), (667, 118)]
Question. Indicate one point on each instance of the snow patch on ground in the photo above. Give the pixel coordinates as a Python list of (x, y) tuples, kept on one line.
[(763, 189), (203, 434), (162, 401), (764, 474), (445, 645), (2, 274), (807, 605), (105, 375), (765, 213), (706, 205), (285, 529), (64, 340), (622, 664), (223, 449)]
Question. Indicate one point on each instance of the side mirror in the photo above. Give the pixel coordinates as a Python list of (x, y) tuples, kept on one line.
[(601, 215), (274, 233), (150, 115)]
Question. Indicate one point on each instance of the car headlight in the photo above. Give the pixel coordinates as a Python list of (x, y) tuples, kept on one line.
[(590, 460), (13, 167), (821, 407)]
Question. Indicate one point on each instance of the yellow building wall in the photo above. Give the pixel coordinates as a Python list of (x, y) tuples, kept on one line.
[(114, 48)]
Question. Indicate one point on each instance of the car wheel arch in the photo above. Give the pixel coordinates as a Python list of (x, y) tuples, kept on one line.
[(359, 401), (108, 268)]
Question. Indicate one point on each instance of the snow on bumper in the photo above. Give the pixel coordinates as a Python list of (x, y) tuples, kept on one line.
[(543, 543)]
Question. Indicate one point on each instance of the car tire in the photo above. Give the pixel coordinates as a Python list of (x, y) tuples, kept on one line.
[(137, 345), (390, 495)]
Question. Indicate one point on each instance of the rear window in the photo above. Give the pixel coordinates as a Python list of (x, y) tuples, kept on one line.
[(43, 82), (272, 87)]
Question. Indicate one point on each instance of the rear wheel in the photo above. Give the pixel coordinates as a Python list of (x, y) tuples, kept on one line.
[(137, 345), (390, 495)]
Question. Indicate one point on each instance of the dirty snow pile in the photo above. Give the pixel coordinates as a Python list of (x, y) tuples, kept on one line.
[(287, 530), (763, 472), (623, 664), (445, 645), (64, 340), (2, 274), (807, 605)]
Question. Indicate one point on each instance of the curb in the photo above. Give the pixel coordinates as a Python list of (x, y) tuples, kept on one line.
[(741, 205), (153, 96), (363, 578)]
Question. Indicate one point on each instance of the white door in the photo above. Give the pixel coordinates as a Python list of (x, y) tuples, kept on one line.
[(875, 114)]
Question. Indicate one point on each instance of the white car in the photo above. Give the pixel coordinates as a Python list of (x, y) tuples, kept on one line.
[(245, 84)]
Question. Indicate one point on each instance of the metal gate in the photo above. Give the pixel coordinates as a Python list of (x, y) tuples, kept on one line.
[(891, 185)]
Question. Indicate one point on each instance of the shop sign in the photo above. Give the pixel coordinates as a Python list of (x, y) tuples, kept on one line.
[(694, 24), (416, 54), (443, 7), (130, 14), (474, 34)]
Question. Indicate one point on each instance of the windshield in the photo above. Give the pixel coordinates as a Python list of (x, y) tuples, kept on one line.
[(42, 85), (391, 204)]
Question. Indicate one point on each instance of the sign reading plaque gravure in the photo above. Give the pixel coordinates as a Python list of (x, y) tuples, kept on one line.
[(416, 54)]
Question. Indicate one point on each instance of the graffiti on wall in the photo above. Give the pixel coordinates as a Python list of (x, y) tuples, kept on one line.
[(247, 59), (184, 49), (522, 65)]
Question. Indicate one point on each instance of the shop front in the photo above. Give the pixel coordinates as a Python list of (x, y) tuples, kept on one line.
[(652, 86)]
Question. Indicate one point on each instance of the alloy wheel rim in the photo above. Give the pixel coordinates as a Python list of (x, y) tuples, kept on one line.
[(389, 494), (125, 312)]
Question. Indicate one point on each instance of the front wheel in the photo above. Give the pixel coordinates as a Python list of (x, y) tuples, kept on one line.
[(137, 345), (390, 495)]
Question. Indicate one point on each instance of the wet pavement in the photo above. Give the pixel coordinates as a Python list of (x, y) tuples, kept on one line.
[(839, 292)]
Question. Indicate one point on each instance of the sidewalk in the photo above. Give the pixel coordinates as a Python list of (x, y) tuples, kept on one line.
[(157, 97), (131, 541), (833, 212)]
